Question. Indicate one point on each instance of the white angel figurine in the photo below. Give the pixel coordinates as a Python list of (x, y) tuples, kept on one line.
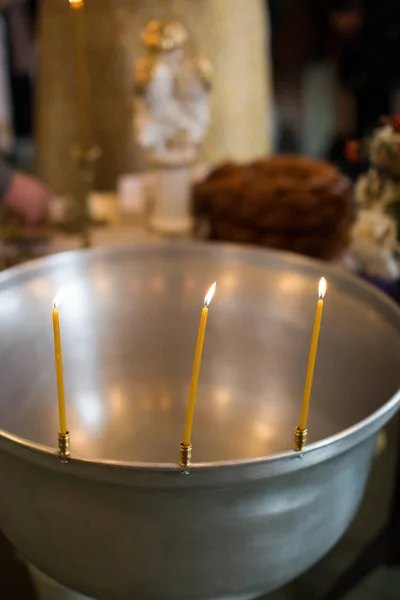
[(172, 111)]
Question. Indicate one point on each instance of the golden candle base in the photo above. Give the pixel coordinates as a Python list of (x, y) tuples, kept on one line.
[(64, 446), (300, 439), (185, 455)]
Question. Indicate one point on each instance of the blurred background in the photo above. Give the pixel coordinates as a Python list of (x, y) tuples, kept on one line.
[(294, 78), (333, 68)]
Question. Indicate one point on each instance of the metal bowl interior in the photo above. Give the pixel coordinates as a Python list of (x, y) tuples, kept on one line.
[(129, 319)]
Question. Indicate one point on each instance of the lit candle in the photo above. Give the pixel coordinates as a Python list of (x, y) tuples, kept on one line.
[(78, 10), (59, 366), (312, 356), (196, 366)]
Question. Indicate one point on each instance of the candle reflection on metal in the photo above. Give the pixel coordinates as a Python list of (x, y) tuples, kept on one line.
[(134, 286), (263, 431), (103, 284), (11, 303), (117, 401), (165, 403), (229, 282), (291, 284), (222, 398), (39, 288), (147, 403), (159, 284), (92, 411), (189, 284)]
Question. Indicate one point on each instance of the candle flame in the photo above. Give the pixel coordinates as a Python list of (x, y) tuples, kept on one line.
[(76, 3), (58, 298), (322, 288), (209, 295)]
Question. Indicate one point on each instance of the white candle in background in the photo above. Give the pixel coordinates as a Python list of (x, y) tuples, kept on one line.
[(131, 191)]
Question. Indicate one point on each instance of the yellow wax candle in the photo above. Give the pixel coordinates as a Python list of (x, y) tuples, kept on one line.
[(312, 356), (196, 366), (83, 104), (59, 369)]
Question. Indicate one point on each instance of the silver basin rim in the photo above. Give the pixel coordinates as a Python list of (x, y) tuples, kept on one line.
[(358, 431)]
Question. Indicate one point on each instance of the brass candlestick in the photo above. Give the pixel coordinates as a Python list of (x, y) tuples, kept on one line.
[(64, 446), (300, 439), (185, 455), (85, 161), (85, 154)]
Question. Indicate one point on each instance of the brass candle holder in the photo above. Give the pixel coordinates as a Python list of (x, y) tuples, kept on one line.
[(64, 446), (86, 162), (185, 455), (300, 439)]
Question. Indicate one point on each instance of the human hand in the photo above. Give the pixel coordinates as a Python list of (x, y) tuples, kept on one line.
[(28, 197)]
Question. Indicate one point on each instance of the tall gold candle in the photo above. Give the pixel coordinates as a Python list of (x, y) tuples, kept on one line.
[(59, 369), (82, 73), (301, 431), (196, 370)]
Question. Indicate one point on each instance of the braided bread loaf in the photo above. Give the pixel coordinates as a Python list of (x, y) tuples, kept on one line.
[(288, 202)]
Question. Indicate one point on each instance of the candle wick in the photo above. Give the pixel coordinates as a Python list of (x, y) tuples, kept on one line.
[(54, 306)]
